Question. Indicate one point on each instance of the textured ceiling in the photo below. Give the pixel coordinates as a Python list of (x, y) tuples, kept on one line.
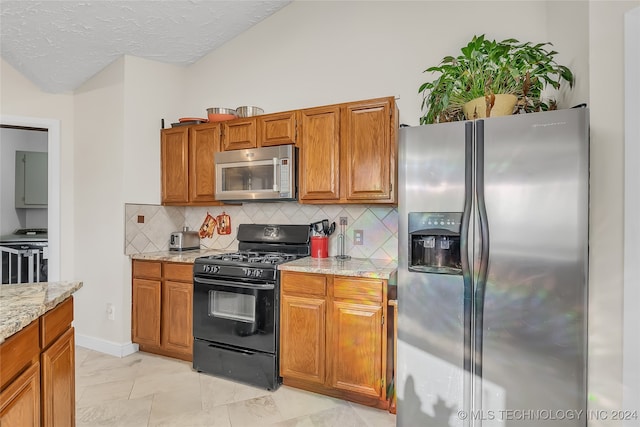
[(59, 45)]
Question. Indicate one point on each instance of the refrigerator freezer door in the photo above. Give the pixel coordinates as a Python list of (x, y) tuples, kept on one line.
[(431, 332), (534, 317)]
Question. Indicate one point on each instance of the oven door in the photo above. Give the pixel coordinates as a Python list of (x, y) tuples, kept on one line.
[(237, 312)]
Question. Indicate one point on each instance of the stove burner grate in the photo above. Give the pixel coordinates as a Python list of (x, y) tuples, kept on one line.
[(253, 257)]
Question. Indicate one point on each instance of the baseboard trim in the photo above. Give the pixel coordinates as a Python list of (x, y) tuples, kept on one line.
[(107, 347)]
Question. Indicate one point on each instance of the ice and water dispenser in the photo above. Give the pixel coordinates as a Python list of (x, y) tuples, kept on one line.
[(434, 242)]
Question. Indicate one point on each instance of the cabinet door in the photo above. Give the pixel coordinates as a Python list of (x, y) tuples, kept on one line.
[(367, 149), (239, 134), (174, 165), (277, 129), (20, 401), (320, 154), (145, 316), (58, 382), (31, 179), (356, 348), (302, 338), (204, 142), (177, 317)]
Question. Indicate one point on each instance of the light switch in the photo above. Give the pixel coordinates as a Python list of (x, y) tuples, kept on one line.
[(358, 237)]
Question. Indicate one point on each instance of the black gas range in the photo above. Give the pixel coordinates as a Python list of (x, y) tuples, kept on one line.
[(236, 306)]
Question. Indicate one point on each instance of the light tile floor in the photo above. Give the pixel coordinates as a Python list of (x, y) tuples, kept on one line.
[(148, 390)]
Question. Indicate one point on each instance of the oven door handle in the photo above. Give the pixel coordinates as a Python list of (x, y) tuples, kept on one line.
[(261, 287)]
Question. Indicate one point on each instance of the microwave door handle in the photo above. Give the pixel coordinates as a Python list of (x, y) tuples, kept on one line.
[(275, 174)]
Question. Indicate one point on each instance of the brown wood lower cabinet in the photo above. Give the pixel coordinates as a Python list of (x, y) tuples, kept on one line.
[(303, 325), (58, 382), (37, 374), (20, 402), (162, 313), (333, 336)]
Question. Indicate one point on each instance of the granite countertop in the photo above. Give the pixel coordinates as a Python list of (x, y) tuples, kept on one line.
[(357, 267), (22, 303), (187, 257)]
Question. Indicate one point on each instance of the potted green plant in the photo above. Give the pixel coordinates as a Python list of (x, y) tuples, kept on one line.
[(484, 72)]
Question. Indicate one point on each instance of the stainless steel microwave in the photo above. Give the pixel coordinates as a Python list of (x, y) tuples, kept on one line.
[(257, 174)]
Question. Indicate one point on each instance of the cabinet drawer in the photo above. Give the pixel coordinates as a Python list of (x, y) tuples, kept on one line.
[(55, 322), (179, 272), (150, 269), (308, 284), (357, 289), (18, 351)]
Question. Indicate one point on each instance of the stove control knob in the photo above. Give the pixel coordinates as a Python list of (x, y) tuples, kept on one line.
[(211, 268)]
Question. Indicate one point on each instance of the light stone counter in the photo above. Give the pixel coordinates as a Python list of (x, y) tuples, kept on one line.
[(187, 257), (22, 303), (357, 267)]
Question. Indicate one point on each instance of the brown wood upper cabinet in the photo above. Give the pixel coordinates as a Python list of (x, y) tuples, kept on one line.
[(187, 164), (349, 153), (277, 128), (319, 168), (260, 131), (239, 134)]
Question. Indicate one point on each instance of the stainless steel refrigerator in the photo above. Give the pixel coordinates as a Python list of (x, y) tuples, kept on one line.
[(492, 271)]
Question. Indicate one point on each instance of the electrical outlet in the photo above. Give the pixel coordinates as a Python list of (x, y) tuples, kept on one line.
[(343, 220), (358, 237), (111, 312)]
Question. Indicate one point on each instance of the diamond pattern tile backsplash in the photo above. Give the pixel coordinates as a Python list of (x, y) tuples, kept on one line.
[(378, 224)]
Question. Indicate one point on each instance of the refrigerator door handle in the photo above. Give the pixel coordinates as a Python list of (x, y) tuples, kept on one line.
[(467, 273), (481, 282)]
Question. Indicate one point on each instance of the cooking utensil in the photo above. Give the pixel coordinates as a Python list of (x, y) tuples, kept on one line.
[(188, 123), (317, 227), (246, 111), (192, 119), (325, 226), (218, 114), (331, 229)]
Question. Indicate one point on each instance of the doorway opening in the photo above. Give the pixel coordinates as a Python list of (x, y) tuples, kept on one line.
[(52, 128)]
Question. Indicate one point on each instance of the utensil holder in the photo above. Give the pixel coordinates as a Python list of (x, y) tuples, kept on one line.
[(319, 247)]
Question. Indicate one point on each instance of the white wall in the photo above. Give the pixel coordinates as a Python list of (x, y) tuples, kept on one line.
[(12, 140), (606, 25), (152, 92), (571, 45), (313, 53), (99, 159), (631, 337)]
